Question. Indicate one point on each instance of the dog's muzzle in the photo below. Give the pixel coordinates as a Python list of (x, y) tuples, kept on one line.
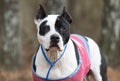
[(54, 39)]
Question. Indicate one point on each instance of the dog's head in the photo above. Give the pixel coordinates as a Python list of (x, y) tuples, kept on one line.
[(52, 30)]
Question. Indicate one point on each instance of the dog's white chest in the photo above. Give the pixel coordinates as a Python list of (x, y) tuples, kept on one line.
[(64, 67)]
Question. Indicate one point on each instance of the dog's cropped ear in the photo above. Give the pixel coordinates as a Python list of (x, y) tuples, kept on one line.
[(40, 14), (66, 15)]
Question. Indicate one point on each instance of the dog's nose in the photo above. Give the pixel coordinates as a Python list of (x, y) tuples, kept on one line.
[(55, 38)]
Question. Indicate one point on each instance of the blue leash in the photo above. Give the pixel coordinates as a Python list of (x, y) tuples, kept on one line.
[(51, 63)]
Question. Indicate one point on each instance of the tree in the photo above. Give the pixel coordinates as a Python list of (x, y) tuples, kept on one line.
[(10, 40), (111, 31), (55, 6)]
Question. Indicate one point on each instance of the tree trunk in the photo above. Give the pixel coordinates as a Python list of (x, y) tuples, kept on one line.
[(10, 40), (111, 31), (55, 6)]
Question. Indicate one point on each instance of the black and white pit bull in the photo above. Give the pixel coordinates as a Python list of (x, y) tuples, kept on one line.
[(62, 56)]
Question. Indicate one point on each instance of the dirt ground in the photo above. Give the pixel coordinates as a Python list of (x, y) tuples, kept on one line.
[(25, 74)]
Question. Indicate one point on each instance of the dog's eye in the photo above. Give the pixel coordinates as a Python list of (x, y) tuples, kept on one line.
[(62, 29), (46, 28)]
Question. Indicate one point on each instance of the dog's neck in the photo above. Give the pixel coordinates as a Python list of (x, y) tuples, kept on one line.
[(53, 54)]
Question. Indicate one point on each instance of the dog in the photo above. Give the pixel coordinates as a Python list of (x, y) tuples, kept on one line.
[(57, 58)]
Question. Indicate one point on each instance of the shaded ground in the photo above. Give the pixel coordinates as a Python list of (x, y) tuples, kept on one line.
[(24, 74), (113, 74)]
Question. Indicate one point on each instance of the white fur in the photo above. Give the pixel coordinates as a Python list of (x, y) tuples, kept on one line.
[(95, 59)]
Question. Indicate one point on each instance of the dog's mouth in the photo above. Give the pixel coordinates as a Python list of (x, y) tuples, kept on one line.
[(54, 46)]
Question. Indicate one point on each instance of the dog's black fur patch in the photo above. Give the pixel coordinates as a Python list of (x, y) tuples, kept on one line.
[(76, 52), (62, 27), (41, 13), (103, 67), (44, 28)]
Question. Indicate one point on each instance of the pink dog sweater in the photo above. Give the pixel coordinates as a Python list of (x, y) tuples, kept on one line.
[(83, 65)]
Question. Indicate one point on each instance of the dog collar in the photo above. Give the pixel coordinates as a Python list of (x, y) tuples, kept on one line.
[(51, 63)]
